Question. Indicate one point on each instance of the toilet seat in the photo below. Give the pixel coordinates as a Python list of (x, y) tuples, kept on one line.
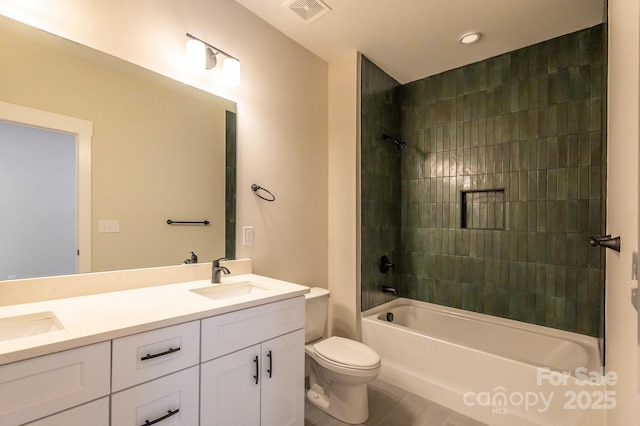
[(347, 353)]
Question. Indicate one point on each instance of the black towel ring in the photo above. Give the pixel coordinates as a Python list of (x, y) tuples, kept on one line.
[(255, 188)]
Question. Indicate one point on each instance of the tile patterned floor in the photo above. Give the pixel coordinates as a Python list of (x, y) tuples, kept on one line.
[(392, 406)]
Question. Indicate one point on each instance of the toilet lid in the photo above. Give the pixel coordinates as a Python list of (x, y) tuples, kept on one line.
[(347, 352)]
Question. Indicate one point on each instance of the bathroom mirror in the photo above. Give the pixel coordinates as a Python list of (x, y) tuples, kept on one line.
[(157, 151)]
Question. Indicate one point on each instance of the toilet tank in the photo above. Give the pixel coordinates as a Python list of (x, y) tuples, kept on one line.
[(315, 314)]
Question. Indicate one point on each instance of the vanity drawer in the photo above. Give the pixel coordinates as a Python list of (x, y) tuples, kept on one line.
[(142, 357), (38, 387), (230, 332), (94, 413), (173, 397)]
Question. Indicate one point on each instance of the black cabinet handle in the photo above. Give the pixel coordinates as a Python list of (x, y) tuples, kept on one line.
[(159, 419), (257, 369), (167, 352), (270, 369)]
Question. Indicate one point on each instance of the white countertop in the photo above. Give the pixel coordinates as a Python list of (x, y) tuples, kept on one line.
[(99, 317)]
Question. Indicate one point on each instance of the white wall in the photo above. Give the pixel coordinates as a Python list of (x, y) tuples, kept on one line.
[(622, 206), (282, 109)]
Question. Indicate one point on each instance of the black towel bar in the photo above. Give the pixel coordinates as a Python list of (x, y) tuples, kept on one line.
[(177, 222)]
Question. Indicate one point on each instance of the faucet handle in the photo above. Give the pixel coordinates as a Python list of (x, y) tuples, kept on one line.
[(217, 261)]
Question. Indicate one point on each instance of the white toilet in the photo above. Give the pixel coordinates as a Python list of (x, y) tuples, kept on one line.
[(338, 368)]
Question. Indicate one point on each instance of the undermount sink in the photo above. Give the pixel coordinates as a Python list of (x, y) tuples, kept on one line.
[(28, 325), (226, 291)]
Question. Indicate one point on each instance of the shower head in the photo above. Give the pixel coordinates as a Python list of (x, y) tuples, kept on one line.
[(400, 144)]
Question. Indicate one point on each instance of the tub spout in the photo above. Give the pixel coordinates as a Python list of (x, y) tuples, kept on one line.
[(390, 290)]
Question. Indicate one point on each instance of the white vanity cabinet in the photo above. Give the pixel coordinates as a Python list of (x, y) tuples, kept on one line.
[(42, 386), (253, 366), (243, 367)]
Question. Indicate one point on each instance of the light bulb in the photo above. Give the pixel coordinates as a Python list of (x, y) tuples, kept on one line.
[(231, 71), (196, 54), (470, 38)]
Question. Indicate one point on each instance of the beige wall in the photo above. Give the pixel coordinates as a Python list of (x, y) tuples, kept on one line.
[(282, 110), (344, 195), (622, 351)]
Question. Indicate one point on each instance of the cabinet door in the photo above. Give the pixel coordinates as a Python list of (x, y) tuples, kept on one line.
[(38, 387), (230, 389), (282, 392), (169, 400)]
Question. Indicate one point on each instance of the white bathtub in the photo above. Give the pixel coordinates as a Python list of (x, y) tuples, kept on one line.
[(498, 371)]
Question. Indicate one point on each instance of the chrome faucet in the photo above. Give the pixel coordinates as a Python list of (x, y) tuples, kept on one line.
[(216, 269)]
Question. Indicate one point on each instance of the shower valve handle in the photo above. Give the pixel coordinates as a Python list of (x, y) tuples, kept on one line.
[(385, 264)]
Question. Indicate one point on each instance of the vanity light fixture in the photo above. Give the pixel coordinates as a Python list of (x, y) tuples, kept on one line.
[(470, 38), (203, 56)]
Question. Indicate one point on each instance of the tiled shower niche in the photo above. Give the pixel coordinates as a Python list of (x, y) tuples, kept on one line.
[(529, 123), (482, 209)]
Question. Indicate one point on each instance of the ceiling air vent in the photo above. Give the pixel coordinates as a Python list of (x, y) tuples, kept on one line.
[(307, 10)]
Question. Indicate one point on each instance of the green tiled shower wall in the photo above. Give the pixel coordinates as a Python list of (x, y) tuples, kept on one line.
[(230, 185), (381, 195), (531, 122)]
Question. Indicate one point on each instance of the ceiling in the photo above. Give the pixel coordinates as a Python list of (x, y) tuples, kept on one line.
[(413, 39)]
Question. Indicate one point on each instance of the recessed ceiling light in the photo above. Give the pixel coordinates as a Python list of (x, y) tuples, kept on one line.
[(470, 38)]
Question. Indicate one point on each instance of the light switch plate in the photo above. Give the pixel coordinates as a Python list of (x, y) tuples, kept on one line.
[(106, 226), (247, 235)]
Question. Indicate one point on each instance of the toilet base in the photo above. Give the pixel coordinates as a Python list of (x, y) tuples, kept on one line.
[(348, 404)]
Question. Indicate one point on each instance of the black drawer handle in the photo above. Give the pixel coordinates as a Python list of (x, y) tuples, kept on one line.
[(159, 419), (167, 352), (256, 377), (270, 369)]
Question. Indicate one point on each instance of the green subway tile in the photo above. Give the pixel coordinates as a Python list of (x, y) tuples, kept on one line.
[(523, 284), (561, 248), (571, 315), (562, 216), (584, 149), (513, 285), (532, 247), (552, 152), (583, 183), (522, 246), (595, 182), (541, 247), (542, 154), (582, 250), (540, 309), (550, 248), (596, 81), (552, 184), (572, 216), (552, 89)]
